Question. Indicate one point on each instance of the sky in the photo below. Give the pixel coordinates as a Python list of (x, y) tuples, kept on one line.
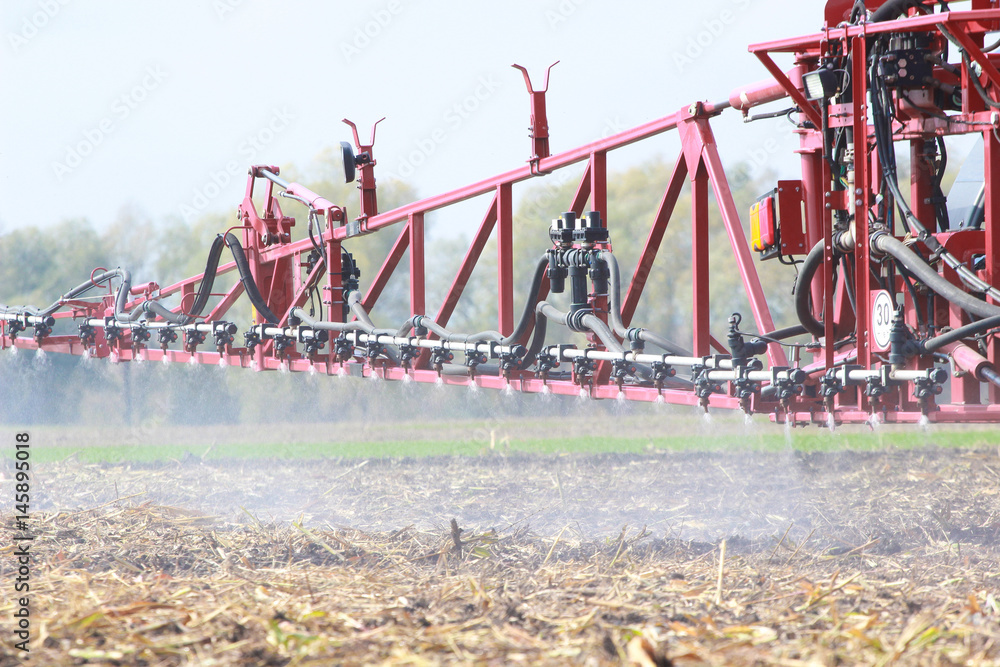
[(163, 106)]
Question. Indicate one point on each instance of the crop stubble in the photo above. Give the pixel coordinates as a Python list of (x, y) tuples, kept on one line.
[(886, 557)]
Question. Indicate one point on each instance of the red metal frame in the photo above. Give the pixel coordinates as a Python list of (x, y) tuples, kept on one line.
[(277, 264)]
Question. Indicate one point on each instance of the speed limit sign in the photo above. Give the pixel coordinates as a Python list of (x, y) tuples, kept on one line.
[(882, 314)]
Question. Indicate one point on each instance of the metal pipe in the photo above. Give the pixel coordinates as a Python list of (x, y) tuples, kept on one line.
[(492, 349), (640, 357), (274, 178)]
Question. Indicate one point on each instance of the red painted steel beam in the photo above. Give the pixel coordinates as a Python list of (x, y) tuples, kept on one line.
[(505, 259), (653, 240), (468, 264), (974, 20), (418, 290), (386, 270)]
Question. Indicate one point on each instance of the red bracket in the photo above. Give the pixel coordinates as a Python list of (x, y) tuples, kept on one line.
[(365, 159), (539, 129)]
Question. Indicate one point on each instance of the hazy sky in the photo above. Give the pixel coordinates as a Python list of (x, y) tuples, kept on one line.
[(164, 105)]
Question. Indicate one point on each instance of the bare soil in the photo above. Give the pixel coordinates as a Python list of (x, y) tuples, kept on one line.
[(735, 558)]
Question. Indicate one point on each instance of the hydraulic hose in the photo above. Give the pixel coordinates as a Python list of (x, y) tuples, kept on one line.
[(525, 322), (889, 245), (893, 10), (803, 308), (937, 342), (615, 313), (246, 277)]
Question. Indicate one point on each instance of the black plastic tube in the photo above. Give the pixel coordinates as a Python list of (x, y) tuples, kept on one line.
[(803, 284), (615, 313), (246, 277), (955, 335), (525, 322), (926, 274)]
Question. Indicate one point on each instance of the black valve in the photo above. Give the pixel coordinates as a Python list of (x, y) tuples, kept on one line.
[(561, 231), (166, 336), (583, 368), (251, 339), (407, 353), (738, 346), (546, 362), (343, 349), (140, 335), (557, 275), (87, 334), (14, 327), (589, 229), (373, 349), (661, 371), (112, 332), (439, 357), (282, 344), (222, 335), (41, 331), (621, 369), (192, 339), (474, 357)]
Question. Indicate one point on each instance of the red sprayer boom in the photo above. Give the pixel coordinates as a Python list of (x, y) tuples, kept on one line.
[(896, 288)]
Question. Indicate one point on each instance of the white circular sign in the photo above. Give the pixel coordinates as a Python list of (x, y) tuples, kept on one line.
[(881, 325)]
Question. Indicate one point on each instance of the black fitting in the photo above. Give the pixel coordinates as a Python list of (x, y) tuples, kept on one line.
[(343, 349), (192, 339), (599, 275), (575, 319), (740, 349), (561, 231), (583, 368), (112, 332), (251, 339), (373, 349), (661, 371), (556, 273), (439, 357), (621, 369), (222, 335), (87, 335), (407, 353), (589, 229), (546, 362), (902, 346), (14, 327), (41, 331), (140, 335), (164, 337)]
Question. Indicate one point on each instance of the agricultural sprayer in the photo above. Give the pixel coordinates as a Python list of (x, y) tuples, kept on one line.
[(896, 287)]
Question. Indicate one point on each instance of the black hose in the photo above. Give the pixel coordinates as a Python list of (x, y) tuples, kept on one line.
[(926, 274), (525, 322), (615, 313), (893, 10), (955, 335), (208, 279), (803, 284), (246, 277)]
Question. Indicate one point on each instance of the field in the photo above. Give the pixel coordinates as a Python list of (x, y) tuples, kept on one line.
[(514, 541)]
